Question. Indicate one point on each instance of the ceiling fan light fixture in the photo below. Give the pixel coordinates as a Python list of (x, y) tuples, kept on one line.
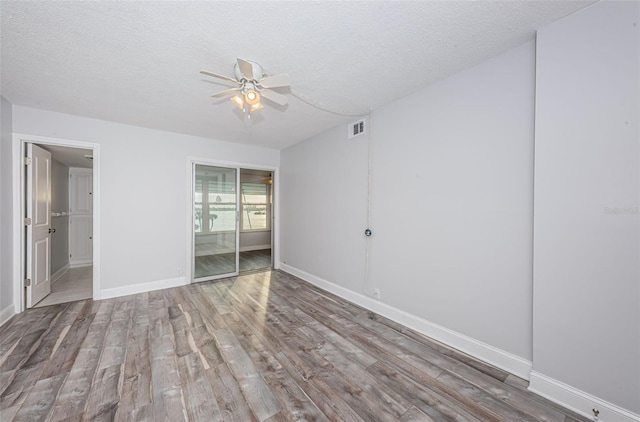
[(252, 85), (238, 100), (252, 97)]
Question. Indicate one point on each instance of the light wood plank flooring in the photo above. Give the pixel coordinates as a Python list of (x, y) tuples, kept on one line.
[(225, 263), (260, 347), (75, 284), (255, 260)]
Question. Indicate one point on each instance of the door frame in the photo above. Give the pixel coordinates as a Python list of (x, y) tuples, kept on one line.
[(19, 210), (275, 223)]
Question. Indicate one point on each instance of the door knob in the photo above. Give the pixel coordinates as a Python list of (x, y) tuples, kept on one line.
[(52, 230)]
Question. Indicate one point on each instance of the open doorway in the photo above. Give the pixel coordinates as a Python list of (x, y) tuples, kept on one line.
[(256, 210), (232, 220), (71, 224), (58, 202)]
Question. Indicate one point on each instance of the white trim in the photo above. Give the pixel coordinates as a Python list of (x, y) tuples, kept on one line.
[(275, 226), (80, 264), (578, 400), (485, 352), (18, 242), (55, 276), (190, 247), (148, 286), (238, 219), (18, 148), (6, 314), (254, 248), (77, 263)]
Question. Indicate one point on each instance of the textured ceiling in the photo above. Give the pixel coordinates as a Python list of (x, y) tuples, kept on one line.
[(138, 62)]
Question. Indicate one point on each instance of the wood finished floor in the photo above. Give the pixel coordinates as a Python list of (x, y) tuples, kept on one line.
[(260, 347), (207, 265)]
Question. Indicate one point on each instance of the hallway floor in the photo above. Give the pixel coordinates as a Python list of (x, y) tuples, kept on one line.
[(75, 284)]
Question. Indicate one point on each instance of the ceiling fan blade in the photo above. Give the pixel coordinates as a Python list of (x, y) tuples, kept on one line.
[(215, 75), (246, 69), (275, 81), (274, 96), (226, 92)]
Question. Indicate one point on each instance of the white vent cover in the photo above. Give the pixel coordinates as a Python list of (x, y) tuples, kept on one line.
[(357, 128)]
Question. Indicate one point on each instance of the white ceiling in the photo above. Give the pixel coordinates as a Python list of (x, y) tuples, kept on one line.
[(138, 62)]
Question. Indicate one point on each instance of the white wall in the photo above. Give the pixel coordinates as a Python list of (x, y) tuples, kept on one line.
[(323, 207), (587, 230), (452, 202), (452, 190), (144, 189), (252, 241), (6, 232)]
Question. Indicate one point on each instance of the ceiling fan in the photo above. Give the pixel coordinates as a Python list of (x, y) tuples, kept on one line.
[(252, 86)]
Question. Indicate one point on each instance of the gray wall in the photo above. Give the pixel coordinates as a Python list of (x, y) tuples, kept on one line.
[(6, 232), (451, 210), (587, 231), (323, 203), (59, 203)]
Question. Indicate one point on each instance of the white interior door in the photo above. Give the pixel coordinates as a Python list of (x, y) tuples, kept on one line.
[(81, 217), (80, 240), (38, 261), (80, 191)]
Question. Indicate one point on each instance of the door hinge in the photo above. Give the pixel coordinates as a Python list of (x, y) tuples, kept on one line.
[(27, 282), (27, 161), (27, 221)]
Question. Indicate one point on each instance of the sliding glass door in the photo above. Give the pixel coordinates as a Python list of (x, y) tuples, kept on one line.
[(215, 222)]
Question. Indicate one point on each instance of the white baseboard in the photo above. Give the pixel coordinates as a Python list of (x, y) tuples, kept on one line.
[(217, 251), (577, 400), (55, 276), (254, 248), (6, 314), (142, 287), (214, 251), (485, 352), (78, 264)]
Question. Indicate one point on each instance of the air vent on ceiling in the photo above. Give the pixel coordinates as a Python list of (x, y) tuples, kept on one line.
[(357, 128)]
